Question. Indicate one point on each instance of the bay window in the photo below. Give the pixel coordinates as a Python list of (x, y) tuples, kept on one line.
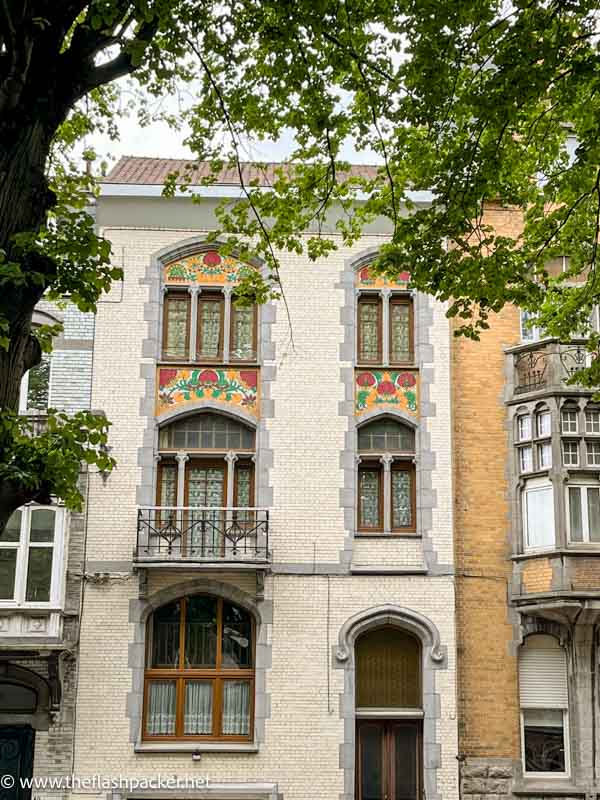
[(199, 680), (538, 515), (31, 551), (583, 513)]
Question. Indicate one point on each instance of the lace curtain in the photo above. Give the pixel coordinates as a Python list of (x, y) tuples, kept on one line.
[(160, 720), (177, 326), (369, 498), (368, 320), (210, 329), (400, 333), (236, 708), (198, 707), (242, 333), (401, 499)]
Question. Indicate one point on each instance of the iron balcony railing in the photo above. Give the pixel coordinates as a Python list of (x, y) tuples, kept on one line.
[(208, 535), (547, 364)]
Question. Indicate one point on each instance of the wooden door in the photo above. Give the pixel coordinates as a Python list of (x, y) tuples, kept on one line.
[(388, 763)]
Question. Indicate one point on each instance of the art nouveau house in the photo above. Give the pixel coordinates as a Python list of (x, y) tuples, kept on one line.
[(269, 598)]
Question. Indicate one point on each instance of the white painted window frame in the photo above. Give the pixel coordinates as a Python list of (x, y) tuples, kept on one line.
[(548, 775), (56, 600), (590, 431), (585, 522), (569, 430), (578, 448), (535, 485)]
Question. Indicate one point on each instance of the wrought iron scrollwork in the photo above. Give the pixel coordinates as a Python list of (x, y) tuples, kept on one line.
[(531, 370), (574, 358), (202, 534)]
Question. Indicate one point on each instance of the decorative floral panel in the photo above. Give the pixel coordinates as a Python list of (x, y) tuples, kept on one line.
[(208, 267), (364, 280), (236, 388), (378, 389)]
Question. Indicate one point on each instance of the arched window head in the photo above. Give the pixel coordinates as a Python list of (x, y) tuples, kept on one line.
[(386, 477), (386, 436), (388, 670), (200, 671), (17, 699), (207, 431)]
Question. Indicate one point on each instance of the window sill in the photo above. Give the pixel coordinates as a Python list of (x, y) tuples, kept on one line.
[(196, 747), (185, 362), (382, 535), (557, 787)]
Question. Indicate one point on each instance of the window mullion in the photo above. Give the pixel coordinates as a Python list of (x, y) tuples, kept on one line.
[(386, 460), (22, 557), (195, 292), (385, 338), (227, 294)]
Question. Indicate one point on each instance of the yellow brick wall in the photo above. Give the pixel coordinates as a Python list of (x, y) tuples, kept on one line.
[(487, 672), (536, 576)]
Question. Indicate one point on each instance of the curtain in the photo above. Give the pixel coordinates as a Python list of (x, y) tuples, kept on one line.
[(242, 333), (369, 498), (177, 325), (401, 499), (206, 489), (368, 320), (400, 333), (160, 719), (198, 707), (210, 328), (236, 708)]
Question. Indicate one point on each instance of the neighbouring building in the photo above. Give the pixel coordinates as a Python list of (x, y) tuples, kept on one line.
[(527, 534)]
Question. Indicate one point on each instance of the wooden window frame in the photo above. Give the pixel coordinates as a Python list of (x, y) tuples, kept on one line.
[(387, 754), (207, 463), (370, 299), (211, 297), (371, 466), (232, 311), (217, 675), (243, 464), (170, 295), (409, 467), (402, 300)]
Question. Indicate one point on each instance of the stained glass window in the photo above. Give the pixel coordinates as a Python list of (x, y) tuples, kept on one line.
[(206, 486), (243, 478), (369, 330), (176, 325), (369, 496), (400, 332), (168, 485), (242, 333), (402, 513), (210, 326)]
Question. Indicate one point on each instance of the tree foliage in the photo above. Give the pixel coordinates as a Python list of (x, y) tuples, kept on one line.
[(475, 102)]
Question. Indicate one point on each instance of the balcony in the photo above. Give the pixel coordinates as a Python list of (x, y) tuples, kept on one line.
[(202, 536), (546, 366)]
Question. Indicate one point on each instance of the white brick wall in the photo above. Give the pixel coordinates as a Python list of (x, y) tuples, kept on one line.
[(301, 749)]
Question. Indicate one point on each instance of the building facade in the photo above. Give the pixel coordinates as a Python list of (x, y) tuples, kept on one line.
[(526, 533), (268, 573)]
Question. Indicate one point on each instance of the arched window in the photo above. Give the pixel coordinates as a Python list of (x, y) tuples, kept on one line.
[(199, 681), (544, 706), (389, 714), (206, 462), (386, 477), (17, 699)]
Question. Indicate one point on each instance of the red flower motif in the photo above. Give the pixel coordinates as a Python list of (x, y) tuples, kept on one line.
[(212, 258), (366, 379), (386, 387), (404, 277), (208, 376), (249, 378), (406, 379), (166, 376), (363, 275)]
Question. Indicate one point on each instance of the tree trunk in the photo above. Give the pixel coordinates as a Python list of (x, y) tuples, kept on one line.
[(24, 203)]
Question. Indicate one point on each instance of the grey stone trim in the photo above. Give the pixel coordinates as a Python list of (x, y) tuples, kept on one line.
[(108, 566), (139, 612), (60, 343), (214, 791), (151, 351), (435, 656), (426, 457)]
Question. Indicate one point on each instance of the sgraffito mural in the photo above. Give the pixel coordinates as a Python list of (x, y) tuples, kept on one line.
[(378, 389), (231, 388), (208, 267), (366, 280)]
